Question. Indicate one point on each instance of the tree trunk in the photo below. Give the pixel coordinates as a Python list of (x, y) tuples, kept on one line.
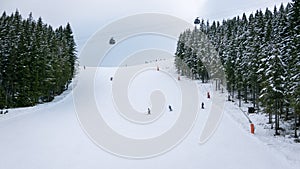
[(239, 96), (270, 117), (295, 117), (256, 100), (246, 95), (276, 123), (286, 112), (232, 92), (253, 96), (276, 117)]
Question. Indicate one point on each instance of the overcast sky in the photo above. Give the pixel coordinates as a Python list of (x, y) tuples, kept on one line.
[(88, 16)]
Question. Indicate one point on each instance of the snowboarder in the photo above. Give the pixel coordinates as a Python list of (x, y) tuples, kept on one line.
[(170, 108), (149, 111), (202, 105)]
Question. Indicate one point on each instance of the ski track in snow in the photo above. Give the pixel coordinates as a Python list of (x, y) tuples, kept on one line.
[(50, 136)]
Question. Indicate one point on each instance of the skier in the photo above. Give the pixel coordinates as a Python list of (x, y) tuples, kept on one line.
[(208, 95), (202, 105), (111, 78), (170, 108), (149, 111)]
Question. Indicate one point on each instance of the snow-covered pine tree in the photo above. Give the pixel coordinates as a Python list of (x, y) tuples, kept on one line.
[(36, 61), (265, 53), (260, 55), (294, 64), (243, 65), (285, 35), (179, 54)]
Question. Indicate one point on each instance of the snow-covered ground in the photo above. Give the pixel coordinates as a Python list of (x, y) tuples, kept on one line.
[(283, 144), (50, 135)]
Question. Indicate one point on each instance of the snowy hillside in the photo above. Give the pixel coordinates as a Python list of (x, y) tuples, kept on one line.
[(50, 136)]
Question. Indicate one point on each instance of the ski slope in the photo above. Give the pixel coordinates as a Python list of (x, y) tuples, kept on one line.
[(50, 136)]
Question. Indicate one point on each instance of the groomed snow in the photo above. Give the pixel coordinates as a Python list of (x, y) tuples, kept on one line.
[(49, 136)]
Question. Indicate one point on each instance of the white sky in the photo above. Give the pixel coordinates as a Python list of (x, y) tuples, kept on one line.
[(88, 16)]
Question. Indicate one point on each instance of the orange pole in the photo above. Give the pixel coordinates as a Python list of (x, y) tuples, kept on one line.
[(252, 128)]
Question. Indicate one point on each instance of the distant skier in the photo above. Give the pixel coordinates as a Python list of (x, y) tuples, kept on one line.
[(111, 78), (170, 108), (208, 95), (202, 105), (149, 111), (3, 111)]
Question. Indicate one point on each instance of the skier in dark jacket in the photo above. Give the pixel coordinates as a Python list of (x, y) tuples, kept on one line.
[(170, 108)]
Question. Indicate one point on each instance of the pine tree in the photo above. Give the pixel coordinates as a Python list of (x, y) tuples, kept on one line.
[(3, 57), (71, 49), (294, 67), (36, 62), (180, 53), (260, 55)]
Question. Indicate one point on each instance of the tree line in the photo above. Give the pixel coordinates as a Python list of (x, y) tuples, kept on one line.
[(260, 55), (37, 62)]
